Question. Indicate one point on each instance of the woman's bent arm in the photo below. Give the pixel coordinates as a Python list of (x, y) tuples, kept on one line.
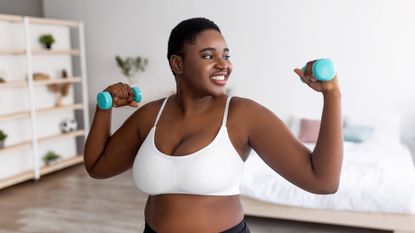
[(107, 155)]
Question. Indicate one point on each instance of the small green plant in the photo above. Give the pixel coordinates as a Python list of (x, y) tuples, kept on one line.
[(47, 40), (131, 65), (3, 135), (50, 156)]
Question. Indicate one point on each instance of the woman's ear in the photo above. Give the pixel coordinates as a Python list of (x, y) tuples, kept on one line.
[(176, 64)]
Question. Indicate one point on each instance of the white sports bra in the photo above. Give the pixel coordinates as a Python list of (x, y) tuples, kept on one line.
[(216, 169)]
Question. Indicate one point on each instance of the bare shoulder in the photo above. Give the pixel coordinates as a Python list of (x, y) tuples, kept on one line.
[(244, 113), (145, 116), (250, 114), (242, 105)]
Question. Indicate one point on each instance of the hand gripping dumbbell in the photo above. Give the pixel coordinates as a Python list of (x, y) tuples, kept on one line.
[(104, 99), (323, 69)]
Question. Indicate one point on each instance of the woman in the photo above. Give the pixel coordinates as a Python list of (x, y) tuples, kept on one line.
[(188, 150)]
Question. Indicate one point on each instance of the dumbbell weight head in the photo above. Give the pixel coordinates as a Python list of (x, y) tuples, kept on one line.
[(104, 99), (323, 69), (137, 94)]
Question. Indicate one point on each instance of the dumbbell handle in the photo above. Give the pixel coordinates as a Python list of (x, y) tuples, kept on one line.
[(323, 69), (104, 99)]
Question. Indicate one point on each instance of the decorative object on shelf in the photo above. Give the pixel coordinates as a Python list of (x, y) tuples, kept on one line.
[(130, 66), (60, 90), (47, 40), (68, 125), (3, 76), (3, 137), (40, 76), (50, 157), (64, 74)]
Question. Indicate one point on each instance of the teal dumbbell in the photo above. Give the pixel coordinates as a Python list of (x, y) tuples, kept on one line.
[(323, 69), (104, 99)]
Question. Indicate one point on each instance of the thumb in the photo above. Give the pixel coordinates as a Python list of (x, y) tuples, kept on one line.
[(133, 104), (299, 72)]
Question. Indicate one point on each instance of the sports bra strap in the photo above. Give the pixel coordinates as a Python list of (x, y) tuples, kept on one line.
[(225, 114), (160, 111)]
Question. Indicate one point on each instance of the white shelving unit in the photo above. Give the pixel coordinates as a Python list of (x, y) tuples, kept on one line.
[(28, 112)]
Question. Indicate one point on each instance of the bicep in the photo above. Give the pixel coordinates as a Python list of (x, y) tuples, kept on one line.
[(120, 149), (278, 147)]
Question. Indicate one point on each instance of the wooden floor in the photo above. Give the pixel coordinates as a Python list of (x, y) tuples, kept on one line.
[(70, 201)]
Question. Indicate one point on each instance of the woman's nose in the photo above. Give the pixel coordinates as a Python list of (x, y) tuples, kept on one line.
[(221, 64)]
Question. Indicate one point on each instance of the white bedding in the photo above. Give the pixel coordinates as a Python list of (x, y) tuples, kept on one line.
[(376, 177)]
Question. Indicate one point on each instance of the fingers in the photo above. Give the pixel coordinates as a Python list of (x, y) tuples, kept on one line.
[(299, 72), (133, 104), (122, 95), (308, 79)]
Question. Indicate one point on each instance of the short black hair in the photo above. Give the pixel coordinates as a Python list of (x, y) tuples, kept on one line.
[(186, 31)]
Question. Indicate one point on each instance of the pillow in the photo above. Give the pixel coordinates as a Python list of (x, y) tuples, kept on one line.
[(309, 130), (385, 126), (357, 133)]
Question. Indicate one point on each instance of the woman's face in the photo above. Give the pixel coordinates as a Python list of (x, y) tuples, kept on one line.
[(206, 63)]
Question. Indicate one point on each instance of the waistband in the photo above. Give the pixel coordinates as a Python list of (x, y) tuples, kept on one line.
[(238, 228)]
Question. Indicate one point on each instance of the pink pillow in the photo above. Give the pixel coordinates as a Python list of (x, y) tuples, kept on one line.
[(309, 130)]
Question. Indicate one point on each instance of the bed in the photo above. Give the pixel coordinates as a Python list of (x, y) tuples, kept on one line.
[(377, 186)]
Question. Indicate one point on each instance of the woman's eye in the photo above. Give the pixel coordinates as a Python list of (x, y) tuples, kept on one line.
[(227, 57), (209, 57)]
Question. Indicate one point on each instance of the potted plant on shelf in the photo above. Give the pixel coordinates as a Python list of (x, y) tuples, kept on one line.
[(50, 157), (3, 137), (47, 40), (130, 66)]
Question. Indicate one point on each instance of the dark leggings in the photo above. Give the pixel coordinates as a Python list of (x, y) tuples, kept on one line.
[(239, 228)]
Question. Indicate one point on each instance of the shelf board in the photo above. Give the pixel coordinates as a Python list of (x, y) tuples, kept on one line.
[(16, 147), (22, 83), (28, 144), (58, 81), (36, 20), (58, 22), (28, 175), (24, 176), (72, 52), (14, 116), (11, 18), (12, 51), (77, 159), (24, 114), (50, 138), (62, 108), (14, 83)]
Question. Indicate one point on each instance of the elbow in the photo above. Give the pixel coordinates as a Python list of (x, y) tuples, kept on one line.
[(327, 189), (92, 173)]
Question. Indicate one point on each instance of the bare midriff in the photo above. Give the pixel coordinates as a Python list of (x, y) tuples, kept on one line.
[(172, 213)]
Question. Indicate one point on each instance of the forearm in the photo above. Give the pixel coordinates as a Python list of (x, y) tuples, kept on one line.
[(327, 156), (98, 137)]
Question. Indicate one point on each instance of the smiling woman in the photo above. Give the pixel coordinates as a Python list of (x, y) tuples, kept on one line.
[(187, 151)]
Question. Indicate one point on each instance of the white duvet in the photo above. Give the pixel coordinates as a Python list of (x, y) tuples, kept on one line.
[(375, 177)]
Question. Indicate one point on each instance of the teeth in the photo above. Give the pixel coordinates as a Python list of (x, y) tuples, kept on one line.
[(221, 77)]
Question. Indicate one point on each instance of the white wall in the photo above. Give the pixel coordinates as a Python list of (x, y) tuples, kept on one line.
[(371, 42), (22, 7)]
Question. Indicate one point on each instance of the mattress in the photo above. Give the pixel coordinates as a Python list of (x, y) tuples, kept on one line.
[(375, 177)]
